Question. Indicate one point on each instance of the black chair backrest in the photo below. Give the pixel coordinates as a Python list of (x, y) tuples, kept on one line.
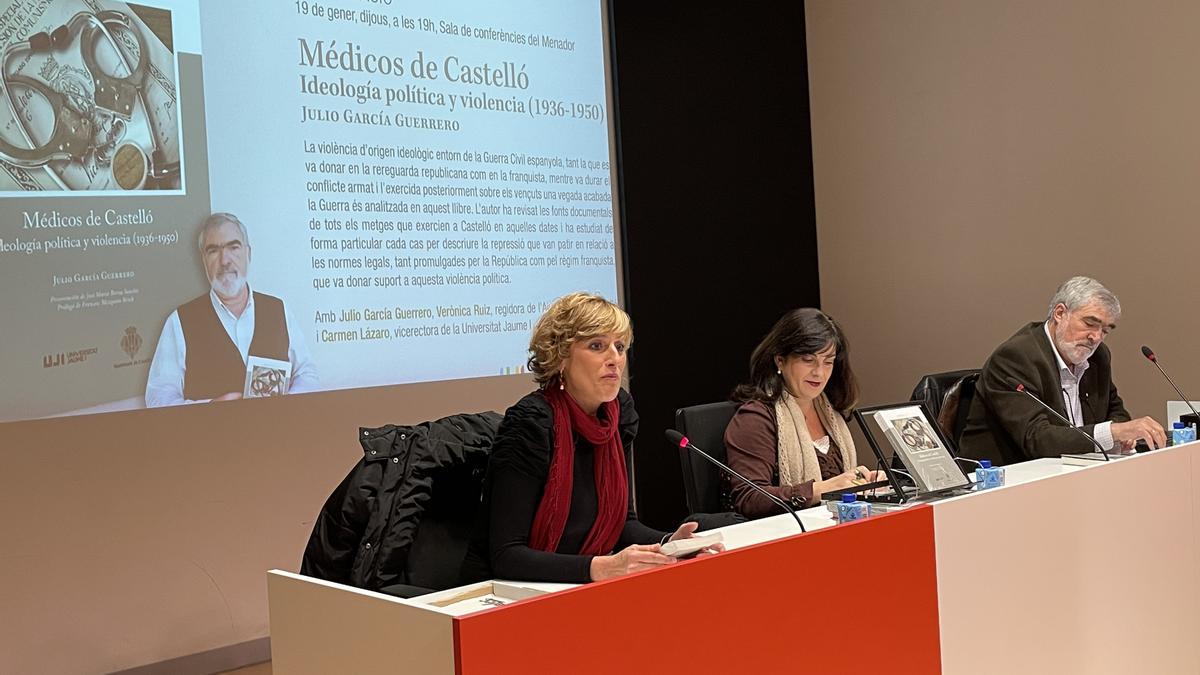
[(705, 426), (955, 406), (932, 388)]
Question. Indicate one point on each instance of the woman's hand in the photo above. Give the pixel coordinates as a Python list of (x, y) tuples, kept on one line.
[(838, 482), (863, 475), (634, 558), (687, 530)]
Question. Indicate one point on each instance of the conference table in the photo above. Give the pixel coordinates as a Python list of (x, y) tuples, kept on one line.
[(1065, 569)]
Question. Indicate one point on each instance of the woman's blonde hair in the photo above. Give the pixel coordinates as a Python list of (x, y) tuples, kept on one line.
[(573, 317)]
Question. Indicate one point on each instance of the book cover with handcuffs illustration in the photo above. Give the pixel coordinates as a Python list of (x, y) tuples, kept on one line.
[(914, 440), (98, 218), (266, 377), (90, 98)]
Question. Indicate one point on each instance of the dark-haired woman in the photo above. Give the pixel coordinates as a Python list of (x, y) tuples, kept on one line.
[(790, 436), (556, 503)]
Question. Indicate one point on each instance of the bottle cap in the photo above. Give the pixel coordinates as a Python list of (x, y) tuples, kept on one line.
[(1177, 425), (985, 463), (848, 499)]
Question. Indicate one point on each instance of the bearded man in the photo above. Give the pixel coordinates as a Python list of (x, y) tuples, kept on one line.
[(203, 350), (1064, 362)]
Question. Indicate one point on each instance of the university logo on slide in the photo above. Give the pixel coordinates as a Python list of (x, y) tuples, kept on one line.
[(68, 358), (131, 342)]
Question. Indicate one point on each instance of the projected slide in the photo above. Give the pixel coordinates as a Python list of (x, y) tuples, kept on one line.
[(399, 188)]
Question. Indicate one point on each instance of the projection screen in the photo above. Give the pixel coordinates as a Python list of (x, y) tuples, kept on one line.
[(406, 186)]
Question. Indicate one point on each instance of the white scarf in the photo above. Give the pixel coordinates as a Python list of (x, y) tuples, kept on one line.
[(797, 455)]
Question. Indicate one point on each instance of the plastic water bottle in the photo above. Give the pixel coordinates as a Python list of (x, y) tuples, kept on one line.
[(850, 509), (988, 476), (1181, 434)]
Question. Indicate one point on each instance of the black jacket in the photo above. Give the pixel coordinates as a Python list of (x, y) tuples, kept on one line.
[(430, 475)]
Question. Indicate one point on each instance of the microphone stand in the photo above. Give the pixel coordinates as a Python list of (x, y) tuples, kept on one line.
[(1149, 354), (1021, 388), (676, 437)]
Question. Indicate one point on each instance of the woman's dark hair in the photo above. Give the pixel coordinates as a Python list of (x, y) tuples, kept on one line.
[(801, 331)]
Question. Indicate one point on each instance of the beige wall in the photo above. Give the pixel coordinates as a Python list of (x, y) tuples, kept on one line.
[(133, 538), (969, 156)]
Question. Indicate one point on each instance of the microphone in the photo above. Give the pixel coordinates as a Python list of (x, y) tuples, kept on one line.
[(676, 438), (1021, 388), (1149, 353)]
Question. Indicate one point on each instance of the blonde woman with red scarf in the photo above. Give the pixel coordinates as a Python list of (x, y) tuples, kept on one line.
[(556, 503)]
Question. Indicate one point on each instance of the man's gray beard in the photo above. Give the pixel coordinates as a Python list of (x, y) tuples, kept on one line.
[(1087, 355), (228, 285), (1060, 343)]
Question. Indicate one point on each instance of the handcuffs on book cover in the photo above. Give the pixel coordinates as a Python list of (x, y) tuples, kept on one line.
[(79, 115)]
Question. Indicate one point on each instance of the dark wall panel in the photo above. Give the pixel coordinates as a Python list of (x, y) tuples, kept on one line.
[(720, 235)]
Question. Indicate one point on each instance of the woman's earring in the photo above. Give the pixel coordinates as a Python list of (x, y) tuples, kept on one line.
[(560, 380), (778, 371)]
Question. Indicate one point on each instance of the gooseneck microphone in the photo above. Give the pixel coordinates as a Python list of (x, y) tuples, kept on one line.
[(1021, 388), (1149, 353), (676, 438)]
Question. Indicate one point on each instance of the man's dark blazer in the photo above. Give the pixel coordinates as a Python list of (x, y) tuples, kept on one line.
[(1005, 426)]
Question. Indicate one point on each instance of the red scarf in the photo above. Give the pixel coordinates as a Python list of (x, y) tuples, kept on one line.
[(612, 489)]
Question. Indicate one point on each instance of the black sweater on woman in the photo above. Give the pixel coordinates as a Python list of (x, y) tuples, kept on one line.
[(517, 473)]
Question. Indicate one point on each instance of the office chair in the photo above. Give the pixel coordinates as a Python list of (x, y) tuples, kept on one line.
[(948, 396), (705, 426)]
